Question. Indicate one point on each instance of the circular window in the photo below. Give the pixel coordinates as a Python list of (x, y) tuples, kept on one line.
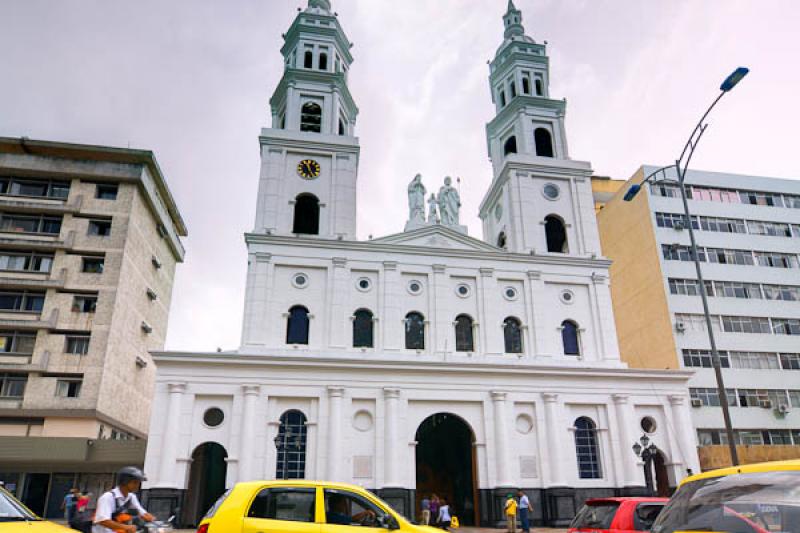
[(567, 296), (498, 212), (213, 417), (649, 424), (462, 290), (524, 424), (551, 191), (300, 281), (510, 293), (414, 287), (362, 421), (364, 284)]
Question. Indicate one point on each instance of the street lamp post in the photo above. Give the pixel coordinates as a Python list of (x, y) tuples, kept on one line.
[(681, 165), (647, 451)]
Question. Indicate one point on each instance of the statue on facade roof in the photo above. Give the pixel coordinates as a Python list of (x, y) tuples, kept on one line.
[(433, 210), (449, 203), (416, 201)]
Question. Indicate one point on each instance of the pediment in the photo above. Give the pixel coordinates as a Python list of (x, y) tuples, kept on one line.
[(440, 237)]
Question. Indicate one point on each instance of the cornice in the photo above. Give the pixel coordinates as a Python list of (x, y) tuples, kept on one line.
[(336, 31), (337, 79), (302, 140)]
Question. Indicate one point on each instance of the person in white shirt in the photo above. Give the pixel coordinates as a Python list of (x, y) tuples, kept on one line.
[(444, 514), (121, 499)]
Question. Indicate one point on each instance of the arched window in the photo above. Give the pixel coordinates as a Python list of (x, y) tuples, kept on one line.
[(306, 214), (291, 446), (323, 61), (538, 84), (362, 329), (297, 325), (308, 60), (544, 143), (341, 127), (569, 336), (415, 331), (512, 334), (556, 234), (513, 89), (311, 117), (502, 99), (526, 86), (586, 449), (464, 337), (510, 146), (501, 240)]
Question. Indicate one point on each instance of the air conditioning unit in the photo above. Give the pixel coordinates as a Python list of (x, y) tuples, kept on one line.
[(697, 402), (680, 326), (783, 409), (766, 404), (677, 225)]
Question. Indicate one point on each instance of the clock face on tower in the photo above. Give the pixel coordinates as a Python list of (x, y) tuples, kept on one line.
[(308, 169)]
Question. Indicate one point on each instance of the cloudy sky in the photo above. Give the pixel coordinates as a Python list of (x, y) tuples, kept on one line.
[(191, 80)]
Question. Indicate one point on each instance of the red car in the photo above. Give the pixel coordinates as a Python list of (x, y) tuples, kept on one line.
[(617, 515)]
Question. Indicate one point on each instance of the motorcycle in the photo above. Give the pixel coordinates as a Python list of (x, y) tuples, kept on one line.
[(143, 526)]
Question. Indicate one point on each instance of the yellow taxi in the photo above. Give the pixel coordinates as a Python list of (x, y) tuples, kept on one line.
[(756, 498), (300, 506), (16, 518)]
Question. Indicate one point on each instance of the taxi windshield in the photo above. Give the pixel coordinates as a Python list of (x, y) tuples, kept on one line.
[(759, 502), (12, 511)]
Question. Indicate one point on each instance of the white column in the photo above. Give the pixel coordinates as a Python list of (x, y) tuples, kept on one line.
[(335, 458), (556, 438), (441, 330), (340, 324), (393, 330), (273, 428), (247, 433), (686, 435), (171, 434), (625, 421), (391, 398), (500, 442), (255, 329), (312, 434)]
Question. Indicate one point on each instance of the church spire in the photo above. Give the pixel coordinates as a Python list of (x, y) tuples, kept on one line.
[(322, 5), (512, 21)]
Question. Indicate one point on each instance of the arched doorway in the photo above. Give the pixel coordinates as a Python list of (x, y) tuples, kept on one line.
[(446, 465), (662, 476), (206, 481)]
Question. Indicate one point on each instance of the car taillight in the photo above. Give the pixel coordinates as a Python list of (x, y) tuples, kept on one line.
[(203, 528)]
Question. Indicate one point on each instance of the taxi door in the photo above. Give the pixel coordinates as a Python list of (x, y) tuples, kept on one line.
[(349, 512), (282, 510)]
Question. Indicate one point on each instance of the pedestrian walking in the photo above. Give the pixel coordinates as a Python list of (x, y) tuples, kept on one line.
[(511, 513), (82, 518), (444, 514), (525, 511), (425, 505), (435, 508), (69, 503)]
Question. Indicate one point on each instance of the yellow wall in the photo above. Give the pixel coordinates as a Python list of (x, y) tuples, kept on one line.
[(602, 189), (719, 456), (627, 237)]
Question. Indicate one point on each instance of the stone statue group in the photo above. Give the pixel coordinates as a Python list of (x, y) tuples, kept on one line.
[(442, 208)]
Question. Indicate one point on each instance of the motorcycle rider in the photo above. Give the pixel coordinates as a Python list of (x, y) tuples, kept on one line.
[(121, 499)]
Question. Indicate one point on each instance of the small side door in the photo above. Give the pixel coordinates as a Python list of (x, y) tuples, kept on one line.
[(349, 512), (282, 510)]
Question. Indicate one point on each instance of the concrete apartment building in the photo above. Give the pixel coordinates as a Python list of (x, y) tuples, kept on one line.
[(89, 242), (748, 232)]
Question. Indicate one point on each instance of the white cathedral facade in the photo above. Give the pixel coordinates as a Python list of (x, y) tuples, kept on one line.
[(427, 361)]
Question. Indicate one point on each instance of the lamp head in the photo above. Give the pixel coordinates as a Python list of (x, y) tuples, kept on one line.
[(632, 192), (733, 78), (637, 449), (645, 440)]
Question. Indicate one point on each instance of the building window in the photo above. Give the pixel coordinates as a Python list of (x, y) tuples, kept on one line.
[(790, 361), (510, 146), (306, 215), (782, 292), (512, 335), (513, 88), (728, 257), (556, 234), (363, 322), (794, 399), (308, 59), (26, 261), (786, 326), (502, 99), (544, 142), (776, 260), (213, 417), (710, 397), (761, 398), (311, 117), (22, 301), (297, 325), (773, 229), (501, 240), (291, 446), (745, 324), (35, 188), (526, 85), (688, 287), (702, 359), (323, 61), (569, 338), (736, 289), (77, 344), (415, 331), (68, 388), (341, 127), (17, 342), (721, 225), (538, 84), (93, 265), (84, 304), (587, 449), (761, 198), (12, 385), (464, 334), (754, 360), (100, 227), (30, 224), (106, 191)]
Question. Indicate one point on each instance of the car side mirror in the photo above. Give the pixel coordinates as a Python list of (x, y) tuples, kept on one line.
[(391, 523)]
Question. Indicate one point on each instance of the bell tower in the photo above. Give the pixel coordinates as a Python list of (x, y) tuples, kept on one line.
[(309, 155), (539, 200)]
